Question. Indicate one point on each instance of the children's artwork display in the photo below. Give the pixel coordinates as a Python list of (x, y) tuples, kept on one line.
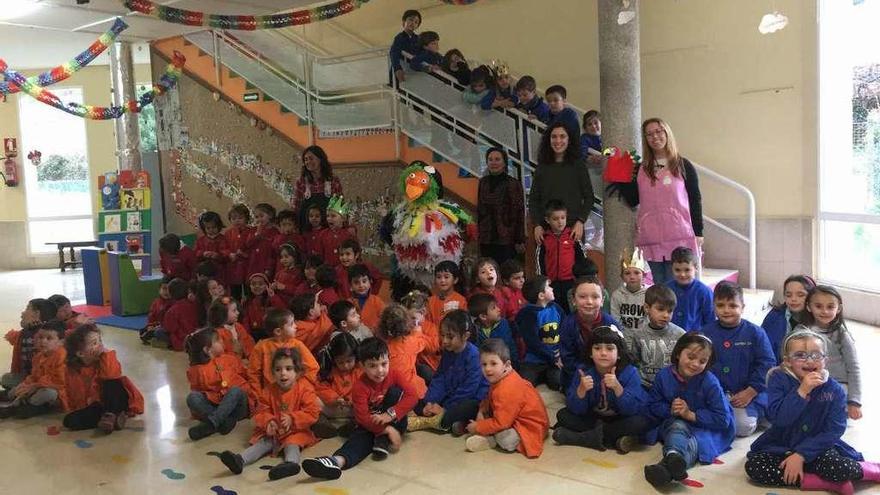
[(110, 191), (113, 223)]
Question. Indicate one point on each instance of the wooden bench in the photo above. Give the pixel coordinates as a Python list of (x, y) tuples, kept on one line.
[(72, 262)]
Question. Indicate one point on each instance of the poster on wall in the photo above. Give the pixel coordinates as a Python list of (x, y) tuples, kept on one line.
[(112, 223)]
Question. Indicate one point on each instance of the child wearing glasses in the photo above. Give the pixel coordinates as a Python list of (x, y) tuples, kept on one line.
[(807, 410)]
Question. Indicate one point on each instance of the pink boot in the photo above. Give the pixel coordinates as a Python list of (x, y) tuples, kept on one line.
[(813, 483), (870, 471)]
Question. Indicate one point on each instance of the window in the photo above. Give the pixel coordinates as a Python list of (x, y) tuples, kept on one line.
[(849, 126), (59, 203), (147, 121)]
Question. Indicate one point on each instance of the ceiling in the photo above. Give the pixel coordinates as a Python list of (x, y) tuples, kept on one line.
[(60, 29)]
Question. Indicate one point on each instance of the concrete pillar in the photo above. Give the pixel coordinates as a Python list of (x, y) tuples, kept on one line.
[(128, 135), (621, 107)]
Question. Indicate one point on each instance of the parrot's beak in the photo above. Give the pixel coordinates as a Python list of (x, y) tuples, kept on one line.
[(414, 192)]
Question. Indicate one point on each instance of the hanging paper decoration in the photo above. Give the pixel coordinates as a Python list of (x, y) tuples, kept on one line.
[(166, 82), (67, 69), (244, 22)]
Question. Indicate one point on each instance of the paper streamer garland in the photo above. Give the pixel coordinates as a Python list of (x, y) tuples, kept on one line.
[(67, 69), (166, 82), (244, 22)]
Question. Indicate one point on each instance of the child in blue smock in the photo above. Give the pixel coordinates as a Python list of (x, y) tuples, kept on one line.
[(481, 90), (742, 357), (604, 400), (693, 308), (574, 333), (405, 41), (695, 419), (784, 318), (491, 324), (458, 386), (807, 412)]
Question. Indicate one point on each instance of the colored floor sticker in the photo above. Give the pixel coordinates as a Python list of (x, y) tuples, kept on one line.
[(219, 490), (53, 430), (326, 490), (173, 475), (692, 483), (120, 459), (601, 463), (83, 444)]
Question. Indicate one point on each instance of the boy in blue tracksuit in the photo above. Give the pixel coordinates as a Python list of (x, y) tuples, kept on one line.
[(538, 324), (428, 58), (694, 307), (743, 357), (458, 386), (405, 41), (574, 333), (491, 324), (694, 417), (559, 112), (528, 100)]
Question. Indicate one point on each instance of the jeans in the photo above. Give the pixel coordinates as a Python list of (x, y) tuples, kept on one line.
[(677, 436), (234, 404), (661, 271), (360, 444), (114, 399)]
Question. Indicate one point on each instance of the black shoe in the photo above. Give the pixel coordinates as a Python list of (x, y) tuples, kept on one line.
[(381, 446), (227, 425), (591, 438), (147, 335), (323, 467), (676, 465), (346, 429), (283, 470), (323, 429), (233, 461), (657, 475), (201, 430), (7, 412), (4, 395), (626, 444), (27, 411)]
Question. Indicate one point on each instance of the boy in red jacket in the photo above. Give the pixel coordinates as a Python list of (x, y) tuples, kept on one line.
[(336, 232), (181, 319), (381, 399), (560, 256), (158, 308), (350, 255), (176, 260), (212, 246)]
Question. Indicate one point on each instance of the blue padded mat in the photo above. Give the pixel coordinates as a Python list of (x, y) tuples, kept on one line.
[(127, 322)]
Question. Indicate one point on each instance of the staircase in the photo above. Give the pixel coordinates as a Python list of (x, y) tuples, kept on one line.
[(304, 96)]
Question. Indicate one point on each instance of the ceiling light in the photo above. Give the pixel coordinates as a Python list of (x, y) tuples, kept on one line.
[(18, 8)]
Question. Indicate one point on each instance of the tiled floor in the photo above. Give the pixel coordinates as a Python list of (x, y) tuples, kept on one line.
[(133, 460)]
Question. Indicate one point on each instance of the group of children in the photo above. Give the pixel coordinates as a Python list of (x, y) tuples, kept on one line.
[(491, 87)]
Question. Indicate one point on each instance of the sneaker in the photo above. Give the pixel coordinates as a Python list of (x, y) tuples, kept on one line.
[(4, 395), (233, 461), (676, 465), (477, 443), (107, 422), (202, 430), (147, 335), (381, 448), (227, 425), (323, 467), (346, 429), (7, 412), (626, 444), (284, 470), (27, 411), (323, 429), (458, 429), (657, 475), (121, 419)]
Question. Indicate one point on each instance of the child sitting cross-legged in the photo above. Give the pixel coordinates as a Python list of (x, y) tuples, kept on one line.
[(605, 398), (98, 394), (282, 329), (223, 317), (405, 342), (218, 383), (158, 308), (653, 342), (43, 390), (513, 415), (36, 313), (334, 387), (491, 324), (381, 399), (286, 411), (457, 388), (694, 417)]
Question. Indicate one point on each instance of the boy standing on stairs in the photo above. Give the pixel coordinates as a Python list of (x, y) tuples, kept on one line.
[(405, 41)]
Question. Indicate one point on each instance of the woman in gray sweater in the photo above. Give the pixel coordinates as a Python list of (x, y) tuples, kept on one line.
[(560, 175)]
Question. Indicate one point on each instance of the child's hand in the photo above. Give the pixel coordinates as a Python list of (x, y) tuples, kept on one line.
[(278, 286), (586, 384), (472, 427), (286, 422), (612, 383), (381, 419), (271, 428), (432, 409), (11, 336), (792, 469), (743, 398), (854, 411), (480, 416), (558, 362), (810, 381), (400, 75), (680, 408), (394, 437), (209, 254), (270, 291)]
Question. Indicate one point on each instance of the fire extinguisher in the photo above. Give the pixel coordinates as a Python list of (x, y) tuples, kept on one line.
[(10, 171)]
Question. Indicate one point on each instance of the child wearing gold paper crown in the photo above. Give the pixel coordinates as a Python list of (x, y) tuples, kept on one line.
[(337, 230), (628, 300)]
